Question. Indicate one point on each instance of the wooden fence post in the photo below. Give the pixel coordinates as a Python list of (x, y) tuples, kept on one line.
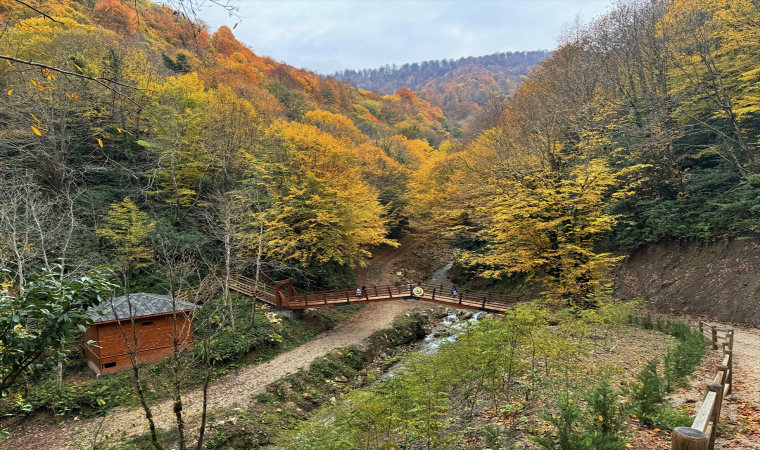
[(730, 339), (714, 337), (723, 370), (434, 293), (701, 327), (730, 367), (685, 438), (718, 389)]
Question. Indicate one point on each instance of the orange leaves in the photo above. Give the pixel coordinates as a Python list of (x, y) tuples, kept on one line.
[(35, 118), (36, 84)]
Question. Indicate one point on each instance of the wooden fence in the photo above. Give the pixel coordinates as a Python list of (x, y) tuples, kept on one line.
[(701, 434)]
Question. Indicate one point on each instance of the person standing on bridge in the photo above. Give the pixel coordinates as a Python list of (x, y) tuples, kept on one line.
[(454, 291), (364, 291)]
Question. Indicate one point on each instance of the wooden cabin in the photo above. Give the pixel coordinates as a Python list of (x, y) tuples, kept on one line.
[(153, 325)]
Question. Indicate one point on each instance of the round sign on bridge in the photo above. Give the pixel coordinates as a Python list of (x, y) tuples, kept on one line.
[(418, 291)]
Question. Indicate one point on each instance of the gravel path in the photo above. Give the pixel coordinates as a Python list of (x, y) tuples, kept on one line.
[(743, 404), (233, 390)]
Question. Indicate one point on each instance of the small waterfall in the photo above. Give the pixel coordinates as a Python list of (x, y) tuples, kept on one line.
[(447, 331)]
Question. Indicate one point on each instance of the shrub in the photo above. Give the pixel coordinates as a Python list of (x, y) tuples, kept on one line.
[(495, 439), (600, 426), (684, 358), (647, 395), (566, 424), (321, 367)]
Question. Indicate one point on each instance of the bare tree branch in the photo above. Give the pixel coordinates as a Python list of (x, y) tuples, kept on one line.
[(36, 10), (105, 82)]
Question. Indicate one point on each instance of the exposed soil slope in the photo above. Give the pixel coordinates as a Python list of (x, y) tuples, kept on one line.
[(720, 281), (420, 254)]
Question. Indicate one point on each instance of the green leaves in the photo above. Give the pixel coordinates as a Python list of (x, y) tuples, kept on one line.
[(35, 320)]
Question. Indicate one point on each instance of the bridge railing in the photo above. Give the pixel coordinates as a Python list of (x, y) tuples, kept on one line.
[(441, 294), (702, 433)]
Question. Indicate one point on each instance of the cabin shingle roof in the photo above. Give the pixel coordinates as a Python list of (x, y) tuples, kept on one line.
[(141, 305)]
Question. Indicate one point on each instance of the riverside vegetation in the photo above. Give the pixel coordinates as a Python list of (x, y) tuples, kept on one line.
[(486, 384)]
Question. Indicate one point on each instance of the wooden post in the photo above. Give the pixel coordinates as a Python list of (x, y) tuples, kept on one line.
[(730, 339), (277, 294), (390, 292), (348, 297), (723, 370), (701, 328), (434, 293), (718, 389), (714, 337), (483, 306), (460, 298), (376, 295), (730, 367), (685, 438)]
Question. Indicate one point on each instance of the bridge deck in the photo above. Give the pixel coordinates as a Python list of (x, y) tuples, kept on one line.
[(440, 294), (290, 299)]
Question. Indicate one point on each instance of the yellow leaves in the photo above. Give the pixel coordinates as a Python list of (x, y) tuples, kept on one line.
[(35, 118), (541, 208), (127, 227), (78, 68), (39, 87), (36, 130), (100, 143), (9, 91)]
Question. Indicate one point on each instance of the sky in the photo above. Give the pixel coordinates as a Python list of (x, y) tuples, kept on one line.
[(330, 35)]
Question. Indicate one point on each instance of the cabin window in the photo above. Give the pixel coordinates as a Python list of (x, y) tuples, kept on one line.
[(148, 324), (109, 365)]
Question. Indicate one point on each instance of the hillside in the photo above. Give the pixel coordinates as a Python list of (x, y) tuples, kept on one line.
[(133, 105), (459, 87), (140, 152)]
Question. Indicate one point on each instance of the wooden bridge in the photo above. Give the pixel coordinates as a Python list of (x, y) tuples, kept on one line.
[(283, 295)]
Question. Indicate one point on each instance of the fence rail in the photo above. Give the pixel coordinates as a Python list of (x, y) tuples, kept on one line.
[(702, 433), (284, 295), (434, 293)]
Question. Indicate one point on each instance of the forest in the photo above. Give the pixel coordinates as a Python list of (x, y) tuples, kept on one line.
[(138, 150), (460, 87)]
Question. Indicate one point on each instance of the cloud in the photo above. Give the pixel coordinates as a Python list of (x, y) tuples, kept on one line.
[(329, 35)]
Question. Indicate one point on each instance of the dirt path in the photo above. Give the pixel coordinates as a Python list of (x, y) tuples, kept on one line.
[(742, 407), (235, 389)]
